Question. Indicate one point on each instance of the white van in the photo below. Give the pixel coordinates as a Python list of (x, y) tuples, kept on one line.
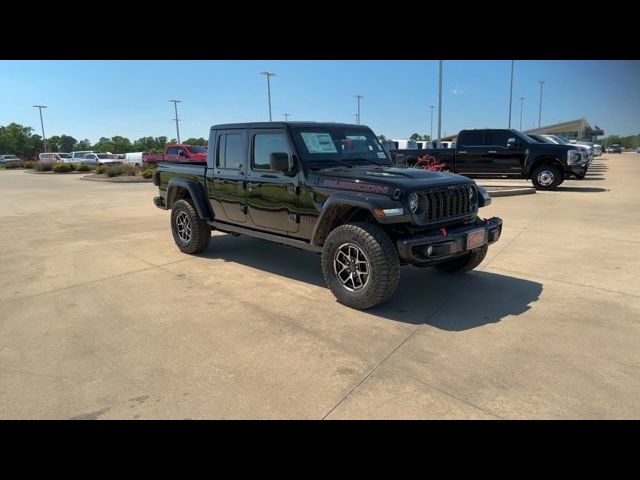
[(76, 157), (55, 157), (135, 158)]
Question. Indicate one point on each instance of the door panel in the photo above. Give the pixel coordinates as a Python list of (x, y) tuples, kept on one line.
[(226, 180), (470, 152), (501, 158), (272, 197)]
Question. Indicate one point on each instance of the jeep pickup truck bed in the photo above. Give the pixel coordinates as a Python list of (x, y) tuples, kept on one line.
[(328, 188)]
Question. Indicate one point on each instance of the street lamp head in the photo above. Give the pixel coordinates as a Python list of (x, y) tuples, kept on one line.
[(268, 74), (39, 106), (176, 101)]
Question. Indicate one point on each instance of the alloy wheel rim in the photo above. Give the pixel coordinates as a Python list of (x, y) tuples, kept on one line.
[(184, 227), (351, 266)]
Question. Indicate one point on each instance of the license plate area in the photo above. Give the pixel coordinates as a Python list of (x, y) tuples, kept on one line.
[(476, 239)]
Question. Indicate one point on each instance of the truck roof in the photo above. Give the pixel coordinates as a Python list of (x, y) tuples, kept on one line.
[(283, 124)]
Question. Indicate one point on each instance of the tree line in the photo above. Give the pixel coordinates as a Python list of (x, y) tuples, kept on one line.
[(22, 141)]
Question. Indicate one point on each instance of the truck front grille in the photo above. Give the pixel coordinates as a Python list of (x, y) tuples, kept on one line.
[(448, 202)]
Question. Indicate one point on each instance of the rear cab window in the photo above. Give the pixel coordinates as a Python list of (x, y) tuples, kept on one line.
[(471, 139)]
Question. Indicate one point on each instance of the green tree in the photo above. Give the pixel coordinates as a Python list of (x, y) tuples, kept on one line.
[(120, 144), (61, 143), (382, 138), (83, 145), (103, 145), (20, 140), (415, 136), (195, 141)]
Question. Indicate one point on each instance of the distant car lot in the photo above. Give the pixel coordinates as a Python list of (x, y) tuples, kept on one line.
[(102, 317)]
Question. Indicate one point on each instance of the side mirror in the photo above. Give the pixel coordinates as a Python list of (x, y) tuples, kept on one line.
[(513, 143), (279, 162)]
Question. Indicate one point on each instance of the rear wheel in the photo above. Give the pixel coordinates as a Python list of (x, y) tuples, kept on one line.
[(465, 263), (546, 177), (360, 265), (190, 232)]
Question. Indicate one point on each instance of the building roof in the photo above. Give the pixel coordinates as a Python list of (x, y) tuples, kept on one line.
[(579, 124)]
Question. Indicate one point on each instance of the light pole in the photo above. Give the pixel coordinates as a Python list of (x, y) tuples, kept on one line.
[(439, 100), (521, 109), (431, 132), (286, 116), (511, 93), (358, 97), (44, 139), (175, 106), (268, 75), (541, 82)]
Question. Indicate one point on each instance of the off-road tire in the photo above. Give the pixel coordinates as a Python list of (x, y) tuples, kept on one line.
[(465, 263), (199, 233), (383, 264), (538, 175)]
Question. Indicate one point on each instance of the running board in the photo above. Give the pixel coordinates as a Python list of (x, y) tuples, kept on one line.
[(291, 242)]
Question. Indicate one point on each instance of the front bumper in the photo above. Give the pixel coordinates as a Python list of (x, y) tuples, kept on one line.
[(446, 245)]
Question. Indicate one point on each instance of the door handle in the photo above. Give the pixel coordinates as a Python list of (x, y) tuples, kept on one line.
[(462, 151), (492, 151)]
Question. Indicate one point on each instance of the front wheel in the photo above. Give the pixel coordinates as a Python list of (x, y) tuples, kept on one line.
[(465, 263), (546, 177), (360, 265), (190, 232)]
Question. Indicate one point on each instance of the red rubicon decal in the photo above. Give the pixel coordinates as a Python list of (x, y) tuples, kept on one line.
[(443, 232), (358, 186)]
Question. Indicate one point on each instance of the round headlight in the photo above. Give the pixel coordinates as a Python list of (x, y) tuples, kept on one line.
[(413, 202)]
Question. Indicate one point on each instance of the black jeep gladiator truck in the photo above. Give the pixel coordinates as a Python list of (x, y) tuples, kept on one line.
[(328, 188), (494, 152)]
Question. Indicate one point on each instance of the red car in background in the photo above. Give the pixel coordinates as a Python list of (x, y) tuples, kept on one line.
[(178, 153)]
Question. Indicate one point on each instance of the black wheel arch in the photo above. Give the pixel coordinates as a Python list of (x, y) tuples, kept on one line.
[(183, 188), (345, 208), (547, 160)]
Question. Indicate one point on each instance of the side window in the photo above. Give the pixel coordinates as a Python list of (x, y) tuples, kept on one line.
[(472, 139), (498, 138), (181, 151), (230, 151), (220, 160), (172, 151), (266, 144)]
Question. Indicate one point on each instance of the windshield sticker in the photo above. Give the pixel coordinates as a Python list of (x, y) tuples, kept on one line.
[(318, 142), (382, 155)]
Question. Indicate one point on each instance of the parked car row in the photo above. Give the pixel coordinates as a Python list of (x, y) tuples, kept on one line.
[(547, 162)]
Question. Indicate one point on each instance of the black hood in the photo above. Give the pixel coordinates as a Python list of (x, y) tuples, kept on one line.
[(384, 180)]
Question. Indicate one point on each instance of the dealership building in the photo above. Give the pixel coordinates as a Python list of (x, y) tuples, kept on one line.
[(573, 130)]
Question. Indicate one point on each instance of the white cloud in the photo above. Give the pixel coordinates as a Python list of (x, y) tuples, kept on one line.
[(458, 90)]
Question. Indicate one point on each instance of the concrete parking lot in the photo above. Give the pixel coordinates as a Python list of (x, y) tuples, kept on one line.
[(102, 317)]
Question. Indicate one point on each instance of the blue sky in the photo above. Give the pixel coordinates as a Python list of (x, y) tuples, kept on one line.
[(89, 99)]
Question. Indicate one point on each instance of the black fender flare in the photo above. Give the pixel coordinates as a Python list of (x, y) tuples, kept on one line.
[(336, 204), (196, 192), (546, 159)]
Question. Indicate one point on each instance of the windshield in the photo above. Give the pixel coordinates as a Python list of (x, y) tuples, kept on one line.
[(339, 145), (540, 139), (197, 149), (108, 155), (560, 140)]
